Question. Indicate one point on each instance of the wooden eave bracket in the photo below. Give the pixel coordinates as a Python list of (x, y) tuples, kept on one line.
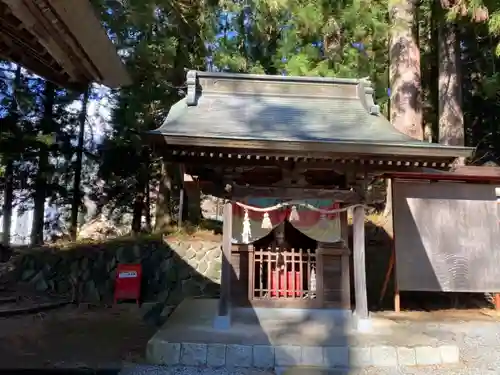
[(30, 15)]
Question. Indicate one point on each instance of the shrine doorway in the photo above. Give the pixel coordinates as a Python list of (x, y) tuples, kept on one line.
[(284, 268)]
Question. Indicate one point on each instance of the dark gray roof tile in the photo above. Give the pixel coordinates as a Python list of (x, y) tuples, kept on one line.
[(275, 108)]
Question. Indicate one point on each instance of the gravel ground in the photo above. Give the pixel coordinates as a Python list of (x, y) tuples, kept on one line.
[(479, 349), (479, 344), (180, 370)]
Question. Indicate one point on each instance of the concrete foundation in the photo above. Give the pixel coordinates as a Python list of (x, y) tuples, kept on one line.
[(281, 338)]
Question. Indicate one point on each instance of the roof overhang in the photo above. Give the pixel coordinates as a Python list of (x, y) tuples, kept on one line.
[(296, 115), (445, 177), (60, 40), (308, 148)]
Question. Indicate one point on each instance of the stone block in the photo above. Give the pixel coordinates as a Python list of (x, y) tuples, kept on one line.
[(263, 356), (202, 267), (336, 356), (427, 355), (360, 357), (163, 353), (308, 370), (238, 355), (449, 354), (193, 354), (189, 254), (312, 356), (216, 355), (406, 356), (384, 356), (288, 355)]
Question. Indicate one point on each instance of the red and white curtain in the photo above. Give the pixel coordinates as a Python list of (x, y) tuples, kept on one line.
[(255, 218)]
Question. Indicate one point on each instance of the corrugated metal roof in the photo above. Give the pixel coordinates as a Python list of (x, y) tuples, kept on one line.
[(288, 109)]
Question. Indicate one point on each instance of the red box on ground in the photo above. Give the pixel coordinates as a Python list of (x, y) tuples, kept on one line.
[(128, 282), (290, 287)]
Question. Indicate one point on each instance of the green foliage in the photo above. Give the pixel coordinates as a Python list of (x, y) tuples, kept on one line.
[(494, 23), (39, 145), (305, 38), (160, 39)]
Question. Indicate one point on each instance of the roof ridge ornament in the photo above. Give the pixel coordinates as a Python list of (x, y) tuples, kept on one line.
[(192, 83), (369, 103), (375, 110)]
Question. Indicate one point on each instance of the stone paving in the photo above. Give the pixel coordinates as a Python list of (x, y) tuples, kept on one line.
[(267, 356), (478, 342), (283, 338)]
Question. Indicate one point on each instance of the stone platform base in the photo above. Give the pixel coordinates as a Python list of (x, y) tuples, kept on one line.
[(267, 356), (281, 338)]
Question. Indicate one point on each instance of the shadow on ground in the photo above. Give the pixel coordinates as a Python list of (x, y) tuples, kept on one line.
[(74, 337), (99, 337)]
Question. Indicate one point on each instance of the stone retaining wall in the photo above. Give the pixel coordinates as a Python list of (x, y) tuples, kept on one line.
[(172, 269), (281, 357)]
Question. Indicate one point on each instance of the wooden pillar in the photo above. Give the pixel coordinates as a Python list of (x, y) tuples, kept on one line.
[(223, 319), (181, 196), (181, 206), (346, 277), (497, 301), (397, 300), (358, 223)]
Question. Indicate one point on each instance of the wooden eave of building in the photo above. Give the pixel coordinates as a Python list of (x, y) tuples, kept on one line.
[(232, 157), (60, 40), (213, 170), (234, 117), (480, 177)]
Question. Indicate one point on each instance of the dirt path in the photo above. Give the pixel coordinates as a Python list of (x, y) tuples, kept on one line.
[(107, 337), (69, 337)]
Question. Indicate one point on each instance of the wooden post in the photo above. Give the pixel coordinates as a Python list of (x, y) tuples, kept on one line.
[(496, 296), (358, 223), (497, 301), (181, 196), (397, 300), (387, 278), (223, 319), (217, 208), (346, 277), (181, 207)]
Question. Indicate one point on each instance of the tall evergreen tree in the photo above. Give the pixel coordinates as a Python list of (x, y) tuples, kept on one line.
[(160, 39), (10, 124), (405, 73), (77, 189)]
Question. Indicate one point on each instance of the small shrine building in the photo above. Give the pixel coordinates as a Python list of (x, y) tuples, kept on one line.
[(290, 156)]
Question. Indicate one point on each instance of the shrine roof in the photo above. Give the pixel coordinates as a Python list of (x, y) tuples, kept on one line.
[(248, 111)]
